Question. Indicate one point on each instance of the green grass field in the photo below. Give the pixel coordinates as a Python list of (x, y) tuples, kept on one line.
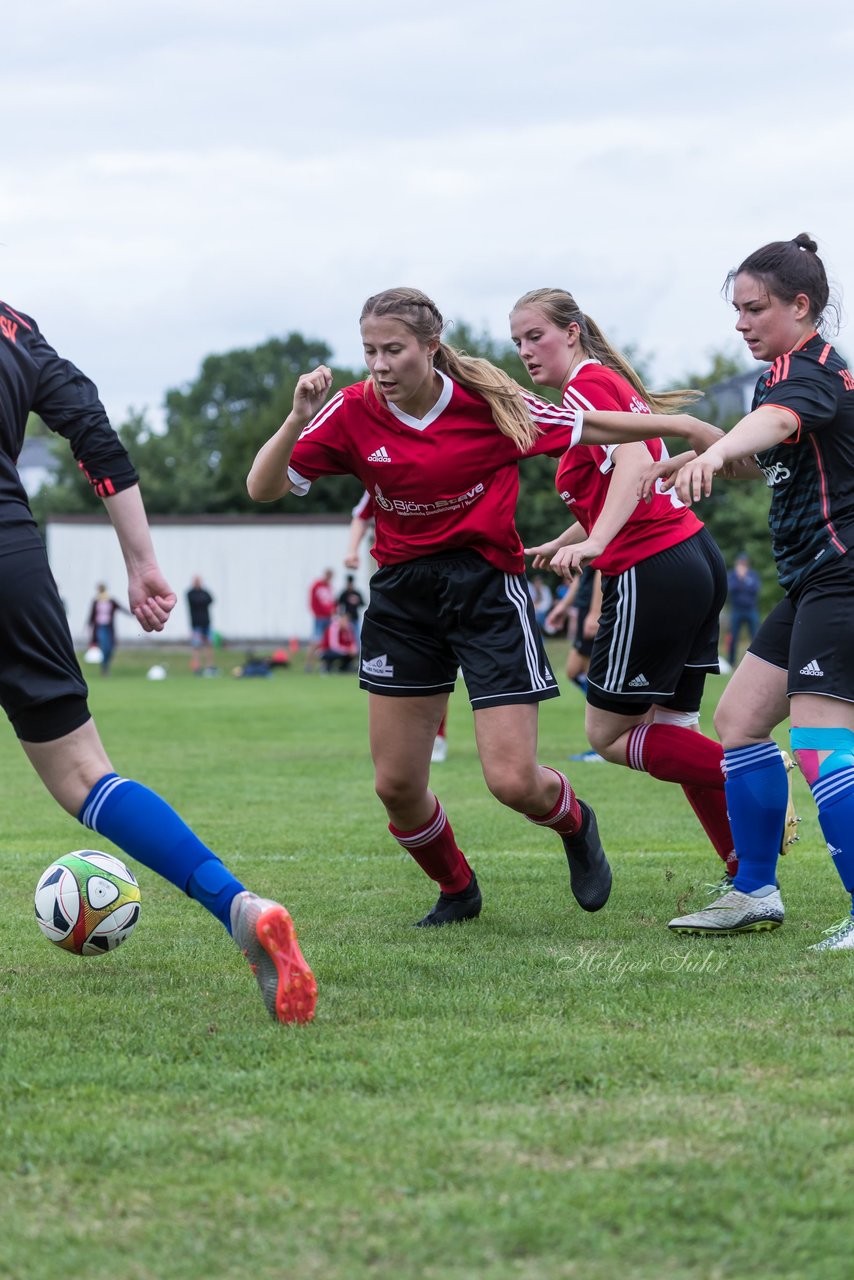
[(536, 1095)]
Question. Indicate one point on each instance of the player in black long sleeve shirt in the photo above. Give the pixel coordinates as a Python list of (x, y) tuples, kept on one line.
[(42, 689)]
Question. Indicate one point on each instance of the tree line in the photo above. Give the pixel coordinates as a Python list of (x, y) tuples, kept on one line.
[(215, 424)]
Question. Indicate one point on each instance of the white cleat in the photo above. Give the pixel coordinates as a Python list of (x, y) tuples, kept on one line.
[(840, 937), (264, 932), (735, 912)]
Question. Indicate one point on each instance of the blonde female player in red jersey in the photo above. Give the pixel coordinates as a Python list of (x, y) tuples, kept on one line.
[(436, 438), (663, 577)]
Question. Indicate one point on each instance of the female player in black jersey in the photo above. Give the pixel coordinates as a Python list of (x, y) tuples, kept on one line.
[(42, 689), (436, 438), (800, 434)]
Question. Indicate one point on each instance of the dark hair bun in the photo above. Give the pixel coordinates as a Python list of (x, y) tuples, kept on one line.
[(805, 241)]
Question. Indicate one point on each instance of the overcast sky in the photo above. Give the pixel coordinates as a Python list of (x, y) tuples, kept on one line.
[(184, 177)]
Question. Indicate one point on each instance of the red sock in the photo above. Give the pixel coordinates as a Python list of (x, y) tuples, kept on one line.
[(710, 808), (435, 850), (674, 754), (441, 732), (566, 817)]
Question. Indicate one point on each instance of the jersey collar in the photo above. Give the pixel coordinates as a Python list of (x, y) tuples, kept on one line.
[(432, 414), (577, 370)]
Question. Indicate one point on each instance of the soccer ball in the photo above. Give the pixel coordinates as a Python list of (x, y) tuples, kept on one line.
[(87, 902)]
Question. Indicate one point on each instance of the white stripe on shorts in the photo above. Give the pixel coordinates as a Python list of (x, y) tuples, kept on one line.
[(517, 593), (621, 643)]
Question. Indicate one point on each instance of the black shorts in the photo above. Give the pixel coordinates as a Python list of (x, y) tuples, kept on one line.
[(810, 634), (42, 689), (429, 616), (582, 644), (583, 600), (659, 630)]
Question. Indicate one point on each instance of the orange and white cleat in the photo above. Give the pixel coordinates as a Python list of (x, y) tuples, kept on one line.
[(265, 933), (790, 826)]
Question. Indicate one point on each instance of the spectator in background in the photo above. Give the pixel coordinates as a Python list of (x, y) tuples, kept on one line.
[(102, 622), (584, 600), (199, 601), (353, 601), (743, 588), (321, 602), (339, 645), (543, 598)]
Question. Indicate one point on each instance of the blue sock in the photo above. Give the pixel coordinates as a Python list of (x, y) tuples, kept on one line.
[(834, 795), (146, 827), (757, 792)]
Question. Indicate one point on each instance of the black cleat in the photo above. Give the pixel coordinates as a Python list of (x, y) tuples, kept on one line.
[(589, 872), (453, 908)]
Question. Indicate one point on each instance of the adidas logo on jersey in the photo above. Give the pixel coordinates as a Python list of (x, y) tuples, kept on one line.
[(812, 669), (377, 666), (379, 455), (639, 682)]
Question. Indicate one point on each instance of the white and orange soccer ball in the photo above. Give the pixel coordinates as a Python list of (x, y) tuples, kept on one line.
[(87, 902)]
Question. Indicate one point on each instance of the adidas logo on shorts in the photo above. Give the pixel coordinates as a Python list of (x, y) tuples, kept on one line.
[(379, 455), (377, 666), (639, 682), (812, 669)]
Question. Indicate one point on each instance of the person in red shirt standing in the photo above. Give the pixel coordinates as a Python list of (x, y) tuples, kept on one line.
[(321, 602), (436, 438), (663, 577)]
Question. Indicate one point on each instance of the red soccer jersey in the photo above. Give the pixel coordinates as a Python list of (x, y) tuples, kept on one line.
[(584, 474), (445, 482)]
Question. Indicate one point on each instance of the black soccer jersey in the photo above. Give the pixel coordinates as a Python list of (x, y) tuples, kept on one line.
[(33, 378), (811, 474)]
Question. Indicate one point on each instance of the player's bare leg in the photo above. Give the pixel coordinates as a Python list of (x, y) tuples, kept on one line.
[(402, 732), (507, 745)]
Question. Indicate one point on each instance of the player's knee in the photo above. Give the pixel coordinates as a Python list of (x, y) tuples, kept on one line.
[(730, 728), (397, 791), (606, 745), (516, 789)]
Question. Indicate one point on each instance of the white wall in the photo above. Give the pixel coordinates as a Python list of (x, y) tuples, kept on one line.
[(258, 570)]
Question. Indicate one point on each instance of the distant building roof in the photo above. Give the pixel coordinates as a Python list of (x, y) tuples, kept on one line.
[(730, 398), (36, 463)]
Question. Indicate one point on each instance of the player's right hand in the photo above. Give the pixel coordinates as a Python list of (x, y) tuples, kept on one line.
[(694, 481), (311, 391)]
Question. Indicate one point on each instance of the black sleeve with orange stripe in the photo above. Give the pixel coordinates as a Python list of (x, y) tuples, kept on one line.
[(67, 401)]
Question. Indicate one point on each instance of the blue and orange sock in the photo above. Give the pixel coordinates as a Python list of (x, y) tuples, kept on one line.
[(834, 795)]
